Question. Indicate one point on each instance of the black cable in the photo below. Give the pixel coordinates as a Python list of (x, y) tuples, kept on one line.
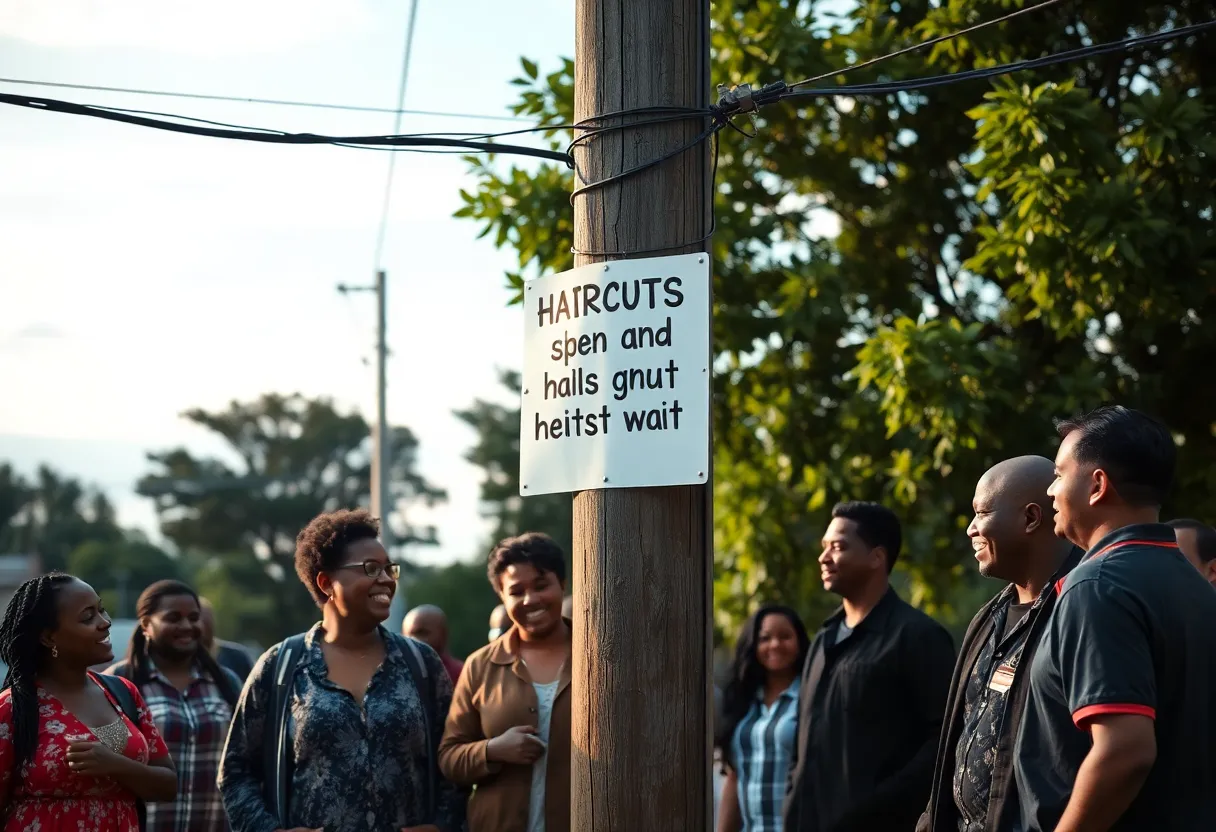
[(1002, 69), (919, 46), (636, 169), (240, 100), (713, 220), (249, 134), (597, 132), (194, 119)]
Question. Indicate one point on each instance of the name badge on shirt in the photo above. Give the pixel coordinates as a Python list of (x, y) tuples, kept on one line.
[(1002, 678)]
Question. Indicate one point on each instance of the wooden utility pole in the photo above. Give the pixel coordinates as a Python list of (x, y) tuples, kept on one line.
[(642, 713), (382, 437)]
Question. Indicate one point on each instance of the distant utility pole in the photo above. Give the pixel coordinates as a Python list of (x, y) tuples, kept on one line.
[(382, 501), (642, 703)]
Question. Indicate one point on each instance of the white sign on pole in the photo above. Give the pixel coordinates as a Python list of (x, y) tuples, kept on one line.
[(616, 380)]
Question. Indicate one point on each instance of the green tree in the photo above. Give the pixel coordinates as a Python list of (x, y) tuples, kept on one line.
[(909, 287), (497, 454), (290, 458), (462, 591), (120, 570), (242, 595), (52, 515)]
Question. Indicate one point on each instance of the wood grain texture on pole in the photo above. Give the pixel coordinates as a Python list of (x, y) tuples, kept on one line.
[(642, 709)]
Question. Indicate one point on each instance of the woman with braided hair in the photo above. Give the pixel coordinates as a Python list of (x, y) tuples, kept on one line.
[(69, 757)]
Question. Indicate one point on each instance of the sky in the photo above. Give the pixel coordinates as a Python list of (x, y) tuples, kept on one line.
[(146, 273)]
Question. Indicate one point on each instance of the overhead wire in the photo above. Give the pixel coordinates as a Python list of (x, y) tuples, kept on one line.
[(259, 134), (918, 46), (720, 115), (245, 100), (392, 159), (1067, 56)]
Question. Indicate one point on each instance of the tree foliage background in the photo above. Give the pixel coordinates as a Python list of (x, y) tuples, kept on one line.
[(290, 458), (462, 589), (908, 288)]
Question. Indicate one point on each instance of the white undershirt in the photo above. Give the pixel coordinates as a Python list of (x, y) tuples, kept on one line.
[(545, 694)]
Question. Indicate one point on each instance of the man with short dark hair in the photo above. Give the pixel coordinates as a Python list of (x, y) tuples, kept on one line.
[(872, 691), (1119, 732), (1197, 542), (1013, 536)]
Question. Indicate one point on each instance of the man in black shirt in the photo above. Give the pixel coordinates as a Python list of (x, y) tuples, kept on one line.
[(1120, 732), (870, 702), (1013, 536)]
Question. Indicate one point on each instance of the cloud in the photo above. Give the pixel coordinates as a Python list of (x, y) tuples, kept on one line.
[(219, 27), (40, 329)]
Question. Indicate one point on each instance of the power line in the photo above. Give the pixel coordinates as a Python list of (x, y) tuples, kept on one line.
[(392, 159), (255, 134), (272, 101), (915, 47), (738, 101), (1068, 56)]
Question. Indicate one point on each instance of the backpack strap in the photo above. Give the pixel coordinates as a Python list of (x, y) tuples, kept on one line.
[(278, 760), (426, 692), (126, 702)]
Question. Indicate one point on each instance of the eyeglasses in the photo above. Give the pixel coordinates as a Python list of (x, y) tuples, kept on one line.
[(375, 568)]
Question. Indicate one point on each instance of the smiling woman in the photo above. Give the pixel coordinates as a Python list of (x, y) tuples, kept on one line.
[(63, 733), (385, 694), (509, 730), (190, 697)]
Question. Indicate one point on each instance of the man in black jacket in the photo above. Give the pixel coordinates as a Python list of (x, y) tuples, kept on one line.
[(870, 702), (1013, 535)]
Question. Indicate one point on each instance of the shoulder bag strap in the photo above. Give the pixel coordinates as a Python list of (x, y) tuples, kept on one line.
[(278, 761), (126, 701), (426, 692)]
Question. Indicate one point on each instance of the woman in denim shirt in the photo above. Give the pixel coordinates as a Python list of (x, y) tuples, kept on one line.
[(358, 726)]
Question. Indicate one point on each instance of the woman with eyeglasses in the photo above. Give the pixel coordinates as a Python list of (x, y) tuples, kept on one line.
[(339, 729)]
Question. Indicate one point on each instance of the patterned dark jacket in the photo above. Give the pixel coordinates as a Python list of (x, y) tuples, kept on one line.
[(357, 769), (942, 814)]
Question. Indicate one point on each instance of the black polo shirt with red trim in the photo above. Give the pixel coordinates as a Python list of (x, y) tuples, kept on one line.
[(1134, 632)]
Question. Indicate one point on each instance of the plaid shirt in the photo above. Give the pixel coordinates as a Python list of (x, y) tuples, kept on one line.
[(760, 754), (194, 725)]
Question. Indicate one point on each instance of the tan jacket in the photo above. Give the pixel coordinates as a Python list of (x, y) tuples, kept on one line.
[(495, 693)]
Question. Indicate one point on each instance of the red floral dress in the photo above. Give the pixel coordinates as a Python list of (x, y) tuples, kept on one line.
[(50, 797)]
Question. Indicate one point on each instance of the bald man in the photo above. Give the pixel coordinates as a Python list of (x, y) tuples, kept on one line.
[(1013, 539), (429, 625), (228, 654), (500, 622)]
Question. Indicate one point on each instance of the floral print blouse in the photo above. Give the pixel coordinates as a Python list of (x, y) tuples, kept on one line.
[(356, 769), (48, 796)]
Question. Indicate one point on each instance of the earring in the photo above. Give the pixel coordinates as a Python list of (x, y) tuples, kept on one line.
[(54, 652)]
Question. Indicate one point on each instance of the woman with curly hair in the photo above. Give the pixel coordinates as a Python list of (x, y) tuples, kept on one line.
[(338, 729), (760, 720), (70, 757)]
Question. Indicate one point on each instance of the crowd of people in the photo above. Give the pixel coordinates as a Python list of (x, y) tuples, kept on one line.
[(1081, 698)]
